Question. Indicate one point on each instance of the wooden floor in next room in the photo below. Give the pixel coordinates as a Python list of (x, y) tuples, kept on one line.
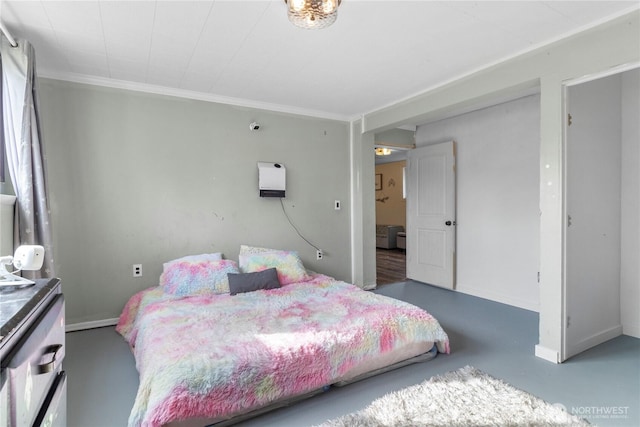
[(390, 266)]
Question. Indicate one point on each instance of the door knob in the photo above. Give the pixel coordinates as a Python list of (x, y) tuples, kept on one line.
[(449, 223)]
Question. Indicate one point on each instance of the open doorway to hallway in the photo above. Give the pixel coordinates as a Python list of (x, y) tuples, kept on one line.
[(390, 199)]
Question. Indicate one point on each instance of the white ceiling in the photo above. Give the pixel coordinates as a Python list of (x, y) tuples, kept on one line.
[(247, 53)]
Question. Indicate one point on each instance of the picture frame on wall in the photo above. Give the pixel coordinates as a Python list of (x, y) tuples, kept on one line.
[(378, 181)]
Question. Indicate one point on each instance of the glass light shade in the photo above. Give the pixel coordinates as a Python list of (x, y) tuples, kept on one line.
[(383, 151), (312, 14)]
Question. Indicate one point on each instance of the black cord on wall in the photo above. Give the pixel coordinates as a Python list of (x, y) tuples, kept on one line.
[(295, 228)]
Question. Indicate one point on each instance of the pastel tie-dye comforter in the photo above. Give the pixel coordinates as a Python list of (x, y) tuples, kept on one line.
[(217, 356)]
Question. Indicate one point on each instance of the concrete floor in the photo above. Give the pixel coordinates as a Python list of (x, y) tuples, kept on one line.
[(495, 338)]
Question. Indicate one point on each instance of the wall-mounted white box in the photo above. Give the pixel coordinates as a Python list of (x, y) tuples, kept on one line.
[(271, 179)]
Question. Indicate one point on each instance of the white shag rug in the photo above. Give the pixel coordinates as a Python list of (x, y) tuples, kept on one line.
[(466, 397)]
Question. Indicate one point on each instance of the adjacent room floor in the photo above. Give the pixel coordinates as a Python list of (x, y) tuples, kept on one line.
[(496, 338), (391, 266)]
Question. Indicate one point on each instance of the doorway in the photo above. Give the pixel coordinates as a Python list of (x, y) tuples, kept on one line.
[(391, 149), (602, 191), (390, 208)]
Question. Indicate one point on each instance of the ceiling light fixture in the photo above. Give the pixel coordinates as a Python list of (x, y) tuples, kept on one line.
[(312, 14), (383, 151)]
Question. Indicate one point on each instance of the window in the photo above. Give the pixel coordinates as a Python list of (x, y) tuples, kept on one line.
[(2, 152), (404, 182)]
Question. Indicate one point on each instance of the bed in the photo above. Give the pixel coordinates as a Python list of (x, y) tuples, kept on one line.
[(218, 341)]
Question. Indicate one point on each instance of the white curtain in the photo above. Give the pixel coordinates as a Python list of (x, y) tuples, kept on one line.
[(24, 149)]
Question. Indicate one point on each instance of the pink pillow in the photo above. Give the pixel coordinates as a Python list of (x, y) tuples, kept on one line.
[(186, 278), (287, 263)]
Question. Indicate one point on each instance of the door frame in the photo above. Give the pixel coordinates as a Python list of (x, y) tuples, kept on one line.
[(565, 222)]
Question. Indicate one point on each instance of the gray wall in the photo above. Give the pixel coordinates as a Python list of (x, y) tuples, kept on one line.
[(143, 178), (630, 218), (498, 219)]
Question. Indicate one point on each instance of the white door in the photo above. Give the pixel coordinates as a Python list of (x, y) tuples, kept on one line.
[(431, 216), (593, 207)]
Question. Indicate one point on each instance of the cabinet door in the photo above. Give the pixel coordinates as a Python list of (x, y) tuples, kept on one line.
[(33, 365), (54, 410), (4, 399)]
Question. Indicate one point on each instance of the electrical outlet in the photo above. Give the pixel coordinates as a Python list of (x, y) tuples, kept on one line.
[(319, 254), (137, 270)]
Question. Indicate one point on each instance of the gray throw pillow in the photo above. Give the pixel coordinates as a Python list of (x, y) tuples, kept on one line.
[(248, 282)]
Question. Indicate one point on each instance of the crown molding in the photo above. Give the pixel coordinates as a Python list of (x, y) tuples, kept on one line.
[(188, 94)]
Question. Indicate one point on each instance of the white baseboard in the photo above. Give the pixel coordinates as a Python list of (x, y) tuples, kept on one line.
[(595, 340), (498, 297), (91, 325), (547, 354)]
